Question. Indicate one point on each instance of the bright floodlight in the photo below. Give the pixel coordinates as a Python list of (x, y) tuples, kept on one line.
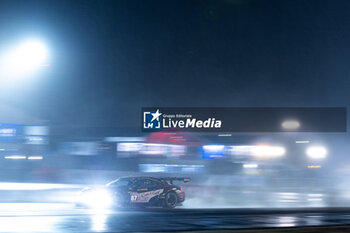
[(316, 152), (23, 59), (30, 54)]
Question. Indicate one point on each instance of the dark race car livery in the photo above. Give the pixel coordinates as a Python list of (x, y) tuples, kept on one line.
[(135, 191)]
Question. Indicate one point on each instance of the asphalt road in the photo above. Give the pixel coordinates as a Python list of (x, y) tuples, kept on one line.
[(34, 217)]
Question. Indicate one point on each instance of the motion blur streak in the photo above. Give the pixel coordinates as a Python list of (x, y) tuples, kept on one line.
[(28, 224), (35, 157), (250, 165), (286, 221), (268, 151), (33, 186), (53, 218), (15, 157)]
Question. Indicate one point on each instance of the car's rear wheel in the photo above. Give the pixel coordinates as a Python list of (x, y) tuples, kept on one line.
[(170, 200)]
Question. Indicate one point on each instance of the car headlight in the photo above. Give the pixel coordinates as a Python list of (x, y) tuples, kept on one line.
[(97, 198)]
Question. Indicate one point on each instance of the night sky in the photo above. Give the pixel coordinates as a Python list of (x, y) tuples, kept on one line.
[(110, 58)]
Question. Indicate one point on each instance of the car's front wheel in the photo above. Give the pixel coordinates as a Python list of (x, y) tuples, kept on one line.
[(170, 200)]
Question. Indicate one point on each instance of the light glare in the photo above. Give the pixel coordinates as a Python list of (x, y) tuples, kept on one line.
[(15, 157), (290, 125), (268, 151), (35, 157), (99, 198), (316, 152), (29, 54), (250, 165), (302, 142), (214, 147), (22, 60)]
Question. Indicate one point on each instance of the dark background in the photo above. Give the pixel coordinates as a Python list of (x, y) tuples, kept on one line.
[(110, 58)]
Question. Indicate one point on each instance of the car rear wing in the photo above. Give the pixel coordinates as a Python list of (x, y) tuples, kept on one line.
[(171, 179)]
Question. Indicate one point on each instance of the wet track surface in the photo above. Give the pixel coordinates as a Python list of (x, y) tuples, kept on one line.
[(19, 217)]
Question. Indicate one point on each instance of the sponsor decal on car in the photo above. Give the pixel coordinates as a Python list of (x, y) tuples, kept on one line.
[(145, 196)]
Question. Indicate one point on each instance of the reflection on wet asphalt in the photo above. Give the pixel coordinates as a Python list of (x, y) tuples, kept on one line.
[(34, 217)]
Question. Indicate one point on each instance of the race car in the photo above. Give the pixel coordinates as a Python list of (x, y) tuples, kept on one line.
[(134, 192)]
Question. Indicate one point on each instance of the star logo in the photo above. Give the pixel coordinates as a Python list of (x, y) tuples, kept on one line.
[(156, 115), (152, 119)]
